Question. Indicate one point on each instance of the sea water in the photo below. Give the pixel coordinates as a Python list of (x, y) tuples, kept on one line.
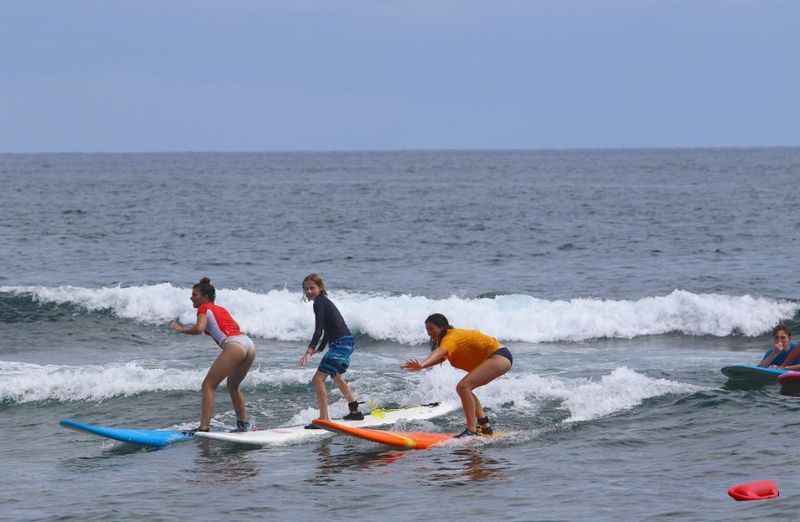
[(622, 281)]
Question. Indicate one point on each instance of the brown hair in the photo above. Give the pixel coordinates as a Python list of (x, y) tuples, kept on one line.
[(781, 327), (440, 321), (206, 288), (317, 280)]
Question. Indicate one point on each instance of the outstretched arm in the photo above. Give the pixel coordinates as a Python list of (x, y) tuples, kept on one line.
[(437, 356), (195, 329)]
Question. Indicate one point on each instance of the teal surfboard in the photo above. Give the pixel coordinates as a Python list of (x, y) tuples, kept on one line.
[(752, 373), (152, 438)]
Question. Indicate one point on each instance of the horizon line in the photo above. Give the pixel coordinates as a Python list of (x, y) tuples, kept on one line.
[(410, 150)]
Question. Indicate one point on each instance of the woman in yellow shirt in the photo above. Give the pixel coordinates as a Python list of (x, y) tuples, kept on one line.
[(481, 356)]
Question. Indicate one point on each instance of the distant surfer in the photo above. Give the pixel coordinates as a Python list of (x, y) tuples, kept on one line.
[(783, 352), (329, 329), (480, 355), (238, 353)]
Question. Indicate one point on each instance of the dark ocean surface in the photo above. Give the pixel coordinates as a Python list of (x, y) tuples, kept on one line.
[(622, 281)]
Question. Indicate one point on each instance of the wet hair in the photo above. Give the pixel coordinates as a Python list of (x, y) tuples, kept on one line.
[(317, 280), (783, 328), (440, 321), (206, 288)]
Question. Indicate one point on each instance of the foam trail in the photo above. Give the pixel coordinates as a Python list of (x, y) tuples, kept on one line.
[(621, 390), (283, 315), (583, 398)]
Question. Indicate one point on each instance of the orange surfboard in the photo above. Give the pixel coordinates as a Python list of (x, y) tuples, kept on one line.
[(396, 439)]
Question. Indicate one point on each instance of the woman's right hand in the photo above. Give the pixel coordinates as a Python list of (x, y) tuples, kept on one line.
[(413, 365)]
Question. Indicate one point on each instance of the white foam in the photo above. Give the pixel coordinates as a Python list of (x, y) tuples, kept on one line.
[(22, 382), (283, 315), (621, 390), (583, 398)]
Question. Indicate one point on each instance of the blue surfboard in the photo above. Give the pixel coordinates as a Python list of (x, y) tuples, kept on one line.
[(752, 373), (152, 438)]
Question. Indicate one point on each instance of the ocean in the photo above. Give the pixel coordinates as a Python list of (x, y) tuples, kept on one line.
[(621, 280)]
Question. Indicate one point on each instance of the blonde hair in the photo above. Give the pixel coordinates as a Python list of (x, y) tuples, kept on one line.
[(317, 280)]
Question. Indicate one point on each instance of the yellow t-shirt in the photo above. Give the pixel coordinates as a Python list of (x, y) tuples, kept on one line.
[(466, 349)]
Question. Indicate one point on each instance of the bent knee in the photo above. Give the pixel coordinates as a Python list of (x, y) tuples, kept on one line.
[(209, 385), (464, 386)]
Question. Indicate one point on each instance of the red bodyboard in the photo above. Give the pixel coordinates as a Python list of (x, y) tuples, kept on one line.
[(758, 490)]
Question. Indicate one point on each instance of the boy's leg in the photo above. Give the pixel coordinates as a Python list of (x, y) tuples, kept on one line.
[(322, 394), (343, 387), (352, 403)]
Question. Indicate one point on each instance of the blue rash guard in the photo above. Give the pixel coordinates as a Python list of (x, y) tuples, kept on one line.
[(781, 356)]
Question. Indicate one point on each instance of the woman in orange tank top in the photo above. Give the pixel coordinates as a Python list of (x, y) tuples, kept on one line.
[(480, 355)]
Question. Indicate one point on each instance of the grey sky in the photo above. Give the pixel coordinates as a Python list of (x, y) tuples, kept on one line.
[(327, 75)]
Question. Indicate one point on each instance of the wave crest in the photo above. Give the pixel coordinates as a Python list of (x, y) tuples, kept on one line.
[(283, 315)]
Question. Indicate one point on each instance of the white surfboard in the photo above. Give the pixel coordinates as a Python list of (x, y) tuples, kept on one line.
[(296, 434)]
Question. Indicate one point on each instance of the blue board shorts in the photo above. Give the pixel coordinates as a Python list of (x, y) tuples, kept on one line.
[(337, 359)]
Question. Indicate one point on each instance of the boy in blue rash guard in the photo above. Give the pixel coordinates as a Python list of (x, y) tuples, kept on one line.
[(329, 325), (783, 352)]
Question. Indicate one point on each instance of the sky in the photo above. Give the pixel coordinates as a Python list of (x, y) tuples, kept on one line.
[(136, 76)]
